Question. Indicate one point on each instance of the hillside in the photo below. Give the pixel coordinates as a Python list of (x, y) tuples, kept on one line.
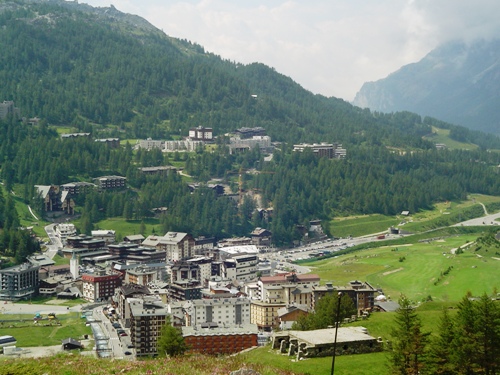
[(104, 71), (99, 71), (456, 82)]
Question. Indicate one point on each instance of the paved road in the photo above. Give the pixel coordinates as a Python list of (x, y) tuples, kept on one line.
[(485, 220), (26, 308), (55, 242), (115, 343)]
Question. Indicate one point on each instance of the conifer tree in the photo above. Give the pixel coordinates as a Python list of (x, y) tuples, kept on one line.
[(409, 348), (441, 350), (171, 342)]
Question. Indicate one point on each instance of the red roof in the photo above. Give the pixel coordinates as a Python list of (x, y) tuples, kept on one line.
[(289, 277)]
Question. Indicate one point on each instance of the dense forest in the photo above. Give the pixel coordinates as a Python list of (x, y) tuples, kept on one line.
[(100, 75)]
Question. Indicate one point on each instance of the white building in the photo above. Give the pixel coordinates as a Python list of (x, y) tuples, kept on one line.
[(177, 245), (241, 267), (288, 288), (149, 144), (64, 231), (227, 311), (19, 282), (252, 290), (205, 269), (261, 141), (201, 134), (231, 251), (182, 145)]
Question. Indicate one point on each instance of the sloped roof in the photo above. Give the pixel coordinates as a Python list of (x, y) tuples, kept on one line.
[(291, 308), (387, 306)]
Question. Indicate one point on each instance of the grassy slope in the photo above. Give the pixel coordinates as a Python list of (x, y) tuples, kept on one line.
[(443, 136), (128, 227), (422, 266), (361, 225), (81, 365), (361, 364)]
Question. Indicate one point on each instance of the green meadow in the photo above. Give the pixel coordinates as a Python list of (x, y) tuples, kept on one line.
[(362, 364), (443, 136), (125, 227), (418, 270), (44, 333), (361, 225)]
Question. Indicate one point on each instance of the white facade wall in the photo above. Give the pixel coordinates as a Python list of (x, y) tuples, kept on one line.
[(184, 145), (228, 311), (149, 144)]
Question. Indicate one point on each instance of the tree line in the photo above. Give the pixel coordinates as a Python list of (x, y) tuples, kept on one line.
[(467, 340), (298, 186), (70, 68)]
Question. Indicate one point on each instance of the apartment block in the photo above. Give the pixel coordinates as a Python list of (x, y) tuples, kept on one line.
[(147, 317), (100, 286), (225, 312), (19, 282)]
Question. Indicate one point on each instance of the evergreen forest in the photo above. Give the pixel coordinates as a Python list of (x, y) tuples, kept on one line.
[(79, 68)]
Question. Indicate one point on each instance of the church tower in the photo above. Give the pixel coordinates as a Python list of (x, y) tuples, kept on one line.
[(73, 266)]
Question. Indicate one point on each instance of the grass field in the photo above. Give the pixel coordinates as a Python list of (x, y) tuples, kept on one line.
[(361, 225), (43, 333), (443, 214), (362, 364), (416, 270), (443, 136), (128, 227), (25, 217), (379, 324)]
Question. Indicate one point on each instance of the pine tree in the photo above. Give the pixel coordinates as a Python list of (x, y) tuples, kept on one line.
[(487, 315), (442, 347), (466, 345), (171, 342), (409, 345)]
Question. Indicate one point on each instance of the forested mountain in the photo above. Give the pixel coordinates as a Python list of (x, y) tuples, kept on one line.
[(456, 82), (111, 74), (69, 67)]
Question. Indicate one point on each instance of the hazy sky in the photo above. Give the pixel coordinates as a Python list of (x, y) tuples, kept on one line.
[(330, 47)]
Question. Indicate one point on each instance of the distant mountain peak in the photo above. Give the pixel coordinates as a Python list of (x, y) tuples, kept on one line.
[(457, 82)]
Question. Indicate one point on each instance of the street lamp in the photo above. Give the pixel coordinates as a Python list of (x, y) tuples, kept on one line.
[(337, 317)]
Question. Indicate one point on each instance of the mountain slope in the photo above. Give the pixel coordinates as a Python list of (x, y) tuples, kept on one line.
[(101, 70), (92, 68), (457, 82)]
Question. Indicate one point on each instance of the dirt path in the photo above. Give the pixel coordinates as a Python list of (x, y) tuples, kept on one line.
[(393, 271)]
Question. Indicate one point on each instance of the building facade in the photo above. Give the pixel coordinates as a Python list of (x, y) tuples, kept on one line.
[(177, 245), (147, 317), (201, 133), (19, 282), (241, 267), (288, 288), (224, 311), (328, 150), (215, 340), (111, 182), (100, 286), (264, 314)]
